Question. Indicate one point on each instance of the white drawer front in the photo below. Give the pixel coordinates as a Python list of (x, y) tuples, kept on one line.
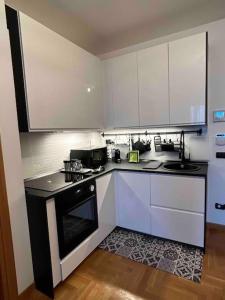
[(71, 261), (179, 192), (185, 227)]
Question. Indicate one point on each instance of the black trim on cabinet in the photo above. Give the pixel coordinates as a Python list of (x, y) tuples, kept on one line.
[(40, 245), (13, 25), (206, 81), (205, 212)]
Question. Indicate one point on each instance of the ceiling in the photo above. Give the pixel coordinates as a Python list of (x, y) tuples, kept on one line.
[(101, 26), (110, 17), (121, 23)]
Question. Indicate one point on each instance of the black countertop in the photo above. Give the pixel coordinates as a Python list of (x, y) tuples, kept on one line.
[(123, 166)]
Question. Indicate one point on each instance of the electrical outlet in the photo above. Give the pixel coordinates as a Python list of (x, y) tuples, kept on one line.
[(220, 154), (220, 206)]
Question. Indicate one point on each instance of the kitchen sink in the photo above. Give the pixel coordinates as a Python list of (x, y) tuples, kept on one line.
[(179, 166)]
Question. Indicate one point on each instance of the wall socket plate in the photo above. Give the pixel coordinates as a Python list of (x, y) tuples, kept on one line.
[(220, 154)]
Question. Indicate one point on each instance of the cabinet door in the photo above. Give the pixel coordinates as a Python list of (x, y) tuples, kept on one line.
[(133, 201), (177, 225), (153, 85), (63, 81), (106, 204), (187, 80), (124, 87), (179, 192), (109, 119)]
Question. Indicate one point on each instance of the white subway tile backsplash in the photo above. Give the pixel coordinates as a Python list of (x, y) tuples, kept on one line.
[(45, 152)]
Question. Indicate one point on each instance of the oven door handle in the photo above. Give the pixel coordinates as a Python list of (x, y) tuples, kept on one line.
[(80, 203)]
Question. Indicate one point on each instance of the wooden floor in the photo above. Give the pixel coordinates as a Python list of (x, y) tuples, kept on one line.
[(107, 276)]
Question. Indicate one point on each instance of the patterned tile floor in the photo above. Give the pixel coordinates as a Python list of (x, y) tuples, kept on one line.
[(181, 260)]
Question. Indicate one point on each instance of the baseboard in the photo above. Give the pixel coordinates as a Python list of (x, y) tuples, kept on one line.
[(32, 294), (26, 293), (215, 226)]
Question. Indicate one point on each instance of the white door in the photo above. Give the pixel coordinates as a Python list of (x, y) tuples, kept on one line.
[(187, 80), (153, 85), (124, 86), (106, 204), (133, 201), (63, 81)]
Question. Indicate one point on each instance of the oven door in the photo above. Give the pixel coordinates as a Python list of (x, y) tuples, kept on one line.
[(75, 223)]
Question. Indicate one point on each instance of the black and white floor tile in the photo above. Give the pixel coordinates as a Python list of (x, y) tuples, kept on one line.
[(176, 258)]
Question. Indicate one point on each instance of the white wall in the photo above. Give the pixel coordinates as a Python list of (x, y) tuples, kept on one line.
[(216, 100), (12, 163), (45, 152)]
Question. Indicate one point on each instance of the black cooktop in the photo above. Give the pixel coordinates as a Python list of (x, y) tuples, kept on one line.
[(53, 182)]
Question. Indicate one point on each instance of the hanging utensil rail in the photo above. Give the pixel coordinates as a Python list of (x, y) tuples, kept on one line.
[(197, 131)]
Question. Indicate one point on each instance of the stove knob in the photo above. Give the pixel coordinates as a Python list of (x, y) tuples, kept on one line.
[(92, 187)]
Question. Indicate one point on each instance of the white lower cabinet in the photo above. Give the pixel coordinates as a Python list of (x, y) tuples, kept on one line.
[(167, 206), (177, 225), (178, 208), (106, 204), (133, 201)]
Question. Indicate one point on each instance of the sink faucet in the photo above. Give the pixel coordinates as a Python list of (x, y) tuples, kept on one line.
[(182, 147)]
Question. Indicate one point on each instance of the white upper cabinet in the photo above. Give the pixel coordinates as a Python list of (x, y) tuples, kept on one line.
[(153, 85), (63, 81), (108, 95), (187, 78), (159, 86), (123, 88)]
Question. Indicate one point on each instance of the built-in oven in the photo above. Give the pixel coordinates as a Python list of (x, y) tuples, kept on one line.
[(76, 214)]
